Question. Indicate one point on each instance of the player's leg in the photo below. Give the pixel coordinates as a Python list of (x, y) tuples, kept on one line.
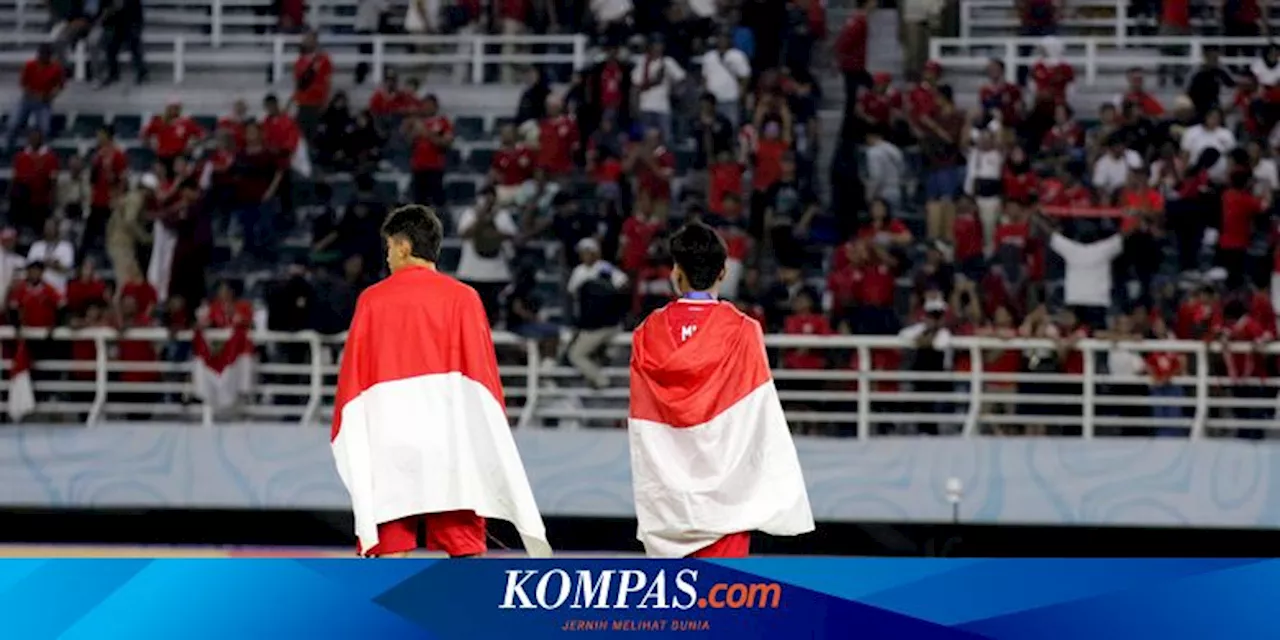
[(734, 545), (460, 534), (395, 538)]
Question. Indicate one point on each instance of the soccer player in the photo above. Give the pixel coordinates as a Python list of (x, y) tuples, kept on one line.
[(420, 433), (711, 456)]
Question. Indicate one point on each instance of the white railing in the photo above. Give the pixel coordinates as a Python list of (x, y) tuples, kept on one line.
[(1089, 55), (997, 16), (469, 55), (850, 397)]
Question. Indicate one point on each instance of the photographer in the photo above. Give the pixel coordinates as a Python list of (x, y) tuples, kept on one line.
[(486, 231)]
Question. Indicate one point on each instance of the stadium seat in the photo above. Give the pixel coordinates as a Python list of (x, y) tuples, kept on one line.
[(684, 160), (470, 128), (462, 192), (86, 126), (57, 125), (209, 123), (499, 121), (453, 159), (141, 158), (64, 153), (481, 159), (128, 126)]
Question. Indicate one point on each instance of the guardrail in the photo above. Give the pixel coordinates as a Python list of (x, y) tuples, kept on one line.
[(1088, 55), (854, 395), (469, 55)]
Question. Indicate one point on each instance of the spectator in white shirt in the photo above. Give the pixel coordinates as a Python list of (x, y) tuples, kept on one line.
[(1111, 169), (610, 12), (1088, 274), (1210, 135), (1267, 68), (984, 179), (57, 254), (1266, 179), (886, 168), (486, 232), (653, 78), (725, 71)]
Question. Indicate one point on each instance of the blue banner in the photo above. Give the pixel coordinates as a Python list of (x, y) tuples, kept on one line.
[(516, 599)]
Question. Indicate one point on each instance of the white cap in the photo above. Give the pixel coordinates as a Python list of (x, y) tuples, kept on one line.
[(935, 305), (588, 244), (149, 181)]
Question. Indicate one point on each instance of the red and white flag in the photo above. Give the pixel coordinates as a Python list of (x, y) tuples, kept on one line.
[(419, 422), (222, 377), (22, 396), (711, 454)]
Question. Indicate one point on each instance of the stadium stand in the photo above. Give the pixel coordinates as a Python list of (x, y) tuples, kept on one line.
[(931, 254)]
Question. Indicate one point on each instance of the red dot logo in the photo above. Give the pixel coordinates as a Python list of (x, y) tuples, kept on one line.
[(702, 603)]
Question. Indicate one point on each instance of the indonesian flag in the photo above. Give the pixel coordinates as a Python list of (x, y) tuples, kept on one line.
[(419, 424), (220, 378), (22, 397), (711, 454)]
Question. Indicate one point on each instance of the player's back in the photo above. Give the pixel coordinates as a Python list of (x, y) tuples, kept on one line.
[(426, 322)]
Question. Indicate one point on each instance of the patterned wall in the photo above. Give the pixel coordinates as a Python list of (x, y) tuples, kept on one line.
[(1135, 482)]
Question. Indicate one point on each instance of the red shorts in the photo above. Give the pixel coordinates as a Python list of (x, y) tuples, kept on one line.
[(734, 545), (457, 533)]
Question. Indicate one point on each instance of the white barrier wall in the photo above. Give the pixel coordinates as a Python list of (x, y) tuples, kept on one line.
[(1047, 481)]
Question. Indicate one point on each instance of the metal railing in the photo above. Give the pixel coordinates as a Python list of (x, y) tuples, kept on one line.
[(854, 394), (1090, 56), (470, 56)]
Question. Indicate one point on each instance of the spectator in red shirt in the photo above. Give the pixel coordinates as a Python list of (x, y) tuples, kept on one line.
[(653, 166), (558, 139), (86, 288), (172, 134), (874, 277), (313, 81), (638, 234), (999, 98), (608, 92), (1138, 95), (1239, 208), (35, 179), (1164, 366), (432, 135), (280, 132), (227, 309), (1051, 74), (724, 182), (35, 301), (108, 173), (970, 242), (136, 287), (878, 105), (389, 101), (804, 321), (259, 172), (41, 81), (851, 52), (234, 122), (512, 165), (136, 350), (1247, 370)]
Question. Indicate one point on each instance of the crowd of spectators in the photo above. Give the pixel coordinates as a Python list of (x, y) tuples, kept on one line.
[(1011, 216)]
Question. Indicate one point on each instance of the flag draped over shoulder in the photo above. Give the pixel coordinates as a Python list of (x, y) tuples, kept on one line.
[(419, 423), (22, 397), (222, 377), (711, 454)]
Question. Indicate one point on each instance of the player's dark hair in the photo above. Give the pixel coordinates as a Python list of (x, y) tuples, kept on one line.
[(420, 227), (700, 254)]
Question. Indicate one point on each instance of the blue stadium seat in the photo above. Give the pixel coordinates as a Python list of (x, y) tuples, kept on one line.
[(128, 126), (684, 160), (461, 192), (86, 125), (57, 125), (388, 190), (481, 159), (499, 121), (141, 158), (64, 153), (209, 123), (469, 128), (453, 159)]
